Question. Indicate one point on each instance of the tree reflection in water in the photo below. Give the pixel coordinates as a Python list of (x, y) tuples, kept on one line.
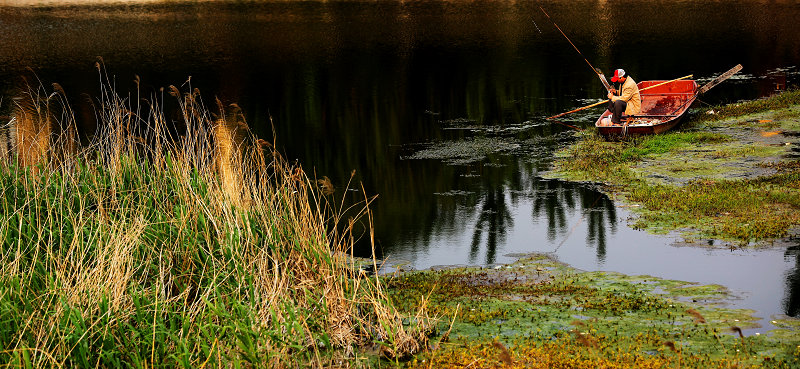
[(791, 302), (600, 211), (553, 198), (488, 210), (556, 198), (494, 220)]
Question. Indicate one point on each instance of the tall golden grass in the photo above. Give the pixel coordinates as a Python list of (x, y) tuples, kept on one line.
[(146, 249), (43, 125)]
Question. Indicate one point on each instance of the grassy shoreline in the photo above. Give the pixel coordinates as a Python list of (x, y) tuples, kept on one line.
[(724, 175), (147, 250)]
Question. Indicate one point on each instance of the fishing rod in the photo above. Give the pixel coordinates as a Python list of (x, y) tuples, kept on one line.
[(596, 70), (605, 101)]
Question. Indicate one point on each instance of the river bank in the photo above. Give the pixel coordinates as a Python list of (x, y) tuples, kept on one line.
[(212, 251), (730, 173)]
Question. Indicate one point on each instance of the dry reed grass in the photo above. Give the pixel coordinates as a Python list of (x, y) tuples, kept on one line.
[(208, 248), (43, 125)]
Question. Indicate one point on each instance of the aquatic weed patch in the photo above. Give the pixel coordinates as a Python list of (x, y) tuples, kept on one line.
[(563, 353), (466, 150), (742, 211), (537, 313)]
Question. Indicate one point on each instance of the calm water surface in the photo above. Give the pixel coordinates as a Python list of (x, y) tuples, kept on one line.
[(379, 86)]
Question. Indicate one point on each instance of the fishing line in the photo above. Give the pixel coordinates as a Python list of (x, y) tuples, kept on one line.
[(537, 26), (703, 102), (576, 225)]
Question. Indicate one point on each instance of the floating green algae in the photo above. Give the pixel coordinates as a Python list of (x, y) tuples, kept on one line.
[(466, 150), (537, 304)]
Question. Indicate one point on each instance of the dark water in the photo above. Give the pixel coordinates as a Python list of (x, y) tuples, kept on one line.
[(379, 86)]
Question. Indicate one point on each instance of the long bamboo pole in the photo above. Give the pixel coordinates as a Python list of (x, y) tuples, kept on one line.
[(596, 70), (605, 101)]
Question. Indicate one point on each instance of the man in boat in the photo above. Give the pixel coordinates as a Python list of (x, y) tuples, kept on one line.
[(627, 102)]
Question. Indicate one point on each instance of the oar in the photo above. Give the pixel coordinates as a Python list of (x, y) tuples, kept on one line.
[(719, 79), (605, 101)]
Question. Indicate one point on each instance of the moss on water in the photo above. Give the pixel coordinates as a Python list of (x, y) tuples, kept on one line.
[(465, 151), (788, 328), (542, 314)]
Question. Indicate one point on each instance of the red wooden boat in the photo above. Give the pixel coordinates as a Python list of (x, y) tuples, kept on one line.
[(663, 107)]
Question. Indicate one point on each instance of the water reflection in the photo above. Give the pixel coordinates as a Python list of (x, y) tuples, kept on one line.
[(494, 220), (791, 302), (552, 198), (602, 219), (555, 198), (486, 211)]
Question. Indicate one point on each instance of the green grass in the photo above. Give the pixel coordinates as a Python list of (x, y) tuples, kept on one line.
[(648, 146), (209, 250), (595, 159)]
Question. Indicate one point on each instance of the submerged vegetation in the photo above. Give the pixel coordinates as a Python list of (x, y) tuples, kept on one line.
[(154, 248), (727, 175)]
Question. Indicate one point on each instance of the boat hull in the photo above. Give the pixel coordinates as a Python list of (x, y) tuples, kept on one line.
[(663, 108)]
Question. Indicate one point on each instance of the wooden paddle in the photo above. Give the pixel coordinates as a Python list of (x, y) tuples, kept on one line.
[(605, 101), (719, 79)]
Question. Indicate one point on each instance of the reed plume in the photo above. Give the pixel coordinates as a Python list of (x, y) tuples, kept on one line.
[(326, 185)]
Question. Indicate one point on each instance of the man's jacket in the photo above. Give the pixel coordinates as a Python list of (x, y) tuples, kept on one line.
[(630, 94)]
